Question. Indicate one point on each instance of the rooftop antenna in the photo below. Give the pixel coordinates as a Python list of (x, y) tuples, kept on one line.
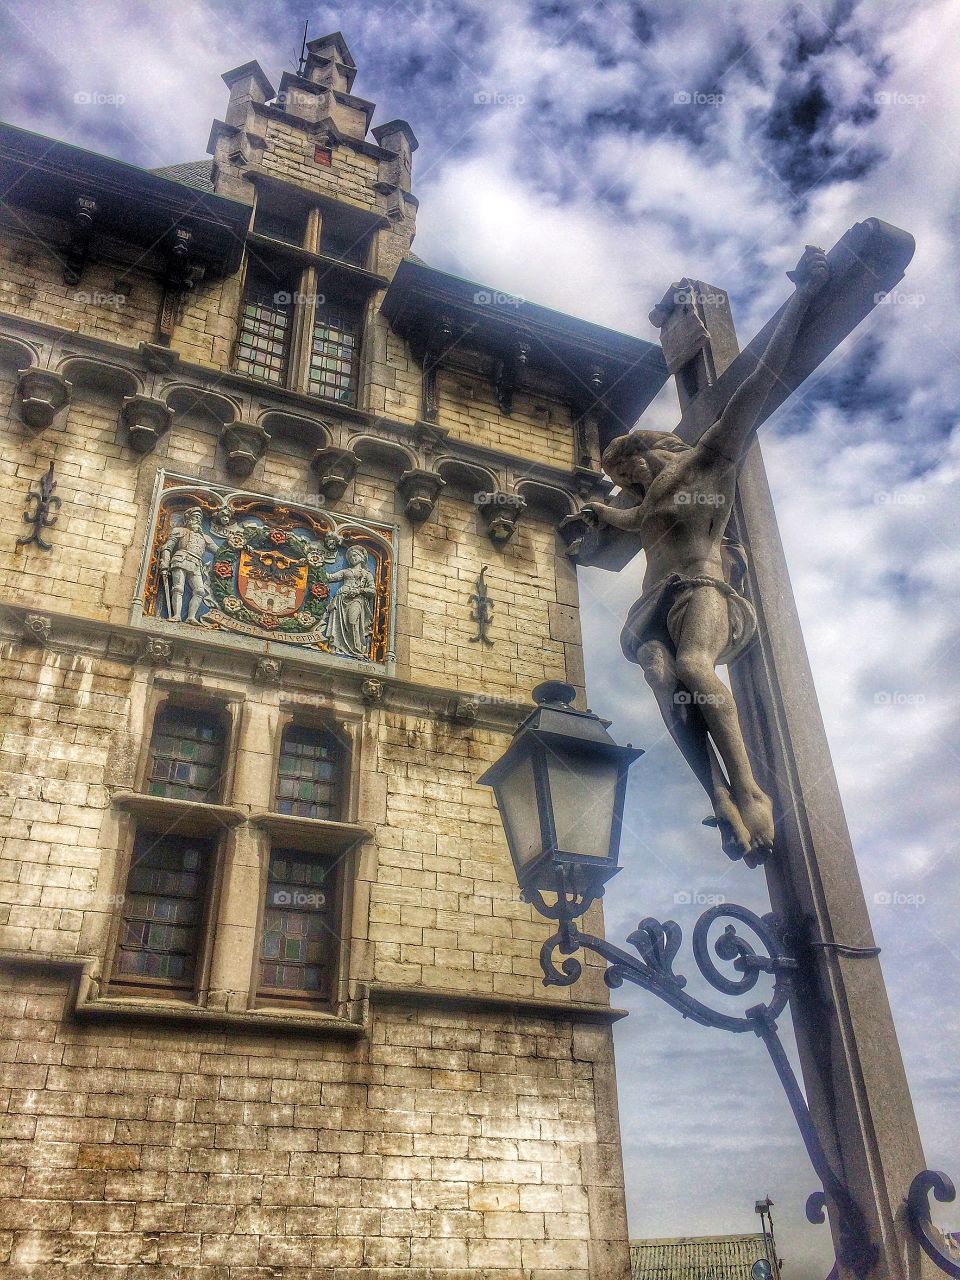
[(303, 50)]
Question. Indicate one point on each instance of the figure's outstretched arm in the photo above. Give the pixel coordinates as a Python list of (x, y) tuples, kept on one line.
[(731, 433), (628, 518)]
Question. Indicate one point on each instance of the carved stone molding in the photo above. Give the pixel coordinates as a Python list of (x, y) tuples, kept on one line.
[(244, 444), (158, 652), (42, 394), (36, 628), (466, 710), (335, 468), (501, 512), (268, 671), (146, 420), (419, 491)]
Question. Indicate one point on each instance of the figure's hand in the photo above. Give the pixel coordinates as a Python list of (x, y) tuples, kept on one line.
[(811, 273), (592, 514)]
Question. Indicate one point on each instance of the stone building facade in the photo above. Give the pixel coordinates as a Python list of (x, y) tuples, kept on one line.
[(271, 1004)]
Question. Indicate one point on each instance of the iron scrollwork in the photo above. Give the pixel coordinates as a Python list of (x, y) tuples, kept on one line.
[(657, 944), (918, 1210), (43, 502)]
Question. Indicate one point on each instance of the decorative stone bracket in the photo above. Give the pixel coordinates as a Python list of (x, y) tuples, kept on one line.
[(42, 394), (507, 374), (439, 341), (335, 468), (146, 420), (419, 490), (573, 529), (244, 444), (78, 250), (501, 512)]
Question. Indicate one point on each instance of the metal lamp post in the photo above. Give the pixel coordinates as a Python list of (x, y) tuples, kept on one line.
[(560, 788)]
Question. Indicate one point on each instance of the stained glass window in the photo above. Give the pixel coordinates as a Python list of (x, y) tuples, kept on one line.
[(265, 324), (299, 946), (308, 780), (333, 354), (186, 754), (163, 908)]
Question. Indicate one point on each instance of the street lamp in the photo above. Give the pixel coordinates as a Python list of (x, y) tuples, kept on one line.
[(560, 788)]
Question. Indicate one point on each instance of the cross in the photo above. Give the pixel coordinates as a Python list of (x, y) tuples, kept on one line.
[(852, 1066)]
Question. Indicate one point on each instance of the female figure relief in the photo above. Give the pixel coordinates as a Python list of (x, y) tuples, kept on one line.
[(349, 620)]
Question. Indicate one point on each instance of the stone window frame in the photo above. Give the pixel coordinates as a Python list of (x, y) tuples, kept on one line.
[(288, 831), (162, 815)]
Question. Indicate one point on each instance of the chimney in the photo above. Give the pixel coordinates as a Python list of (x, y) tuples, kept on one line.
[(247, 84)]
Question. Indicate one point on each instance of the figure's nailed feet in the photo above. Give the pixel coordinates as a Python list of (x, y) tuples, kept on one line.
[(757, 813), (734, 835)]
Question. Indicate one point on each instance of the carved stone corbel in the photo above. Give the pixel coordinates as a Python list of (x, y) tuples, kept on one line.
[(573, 529), (500, 512), (78, 250), (36, 628), (244, 443), (42, 394), (419, 490), (439, 341), (335, 468), (507, 372), (146, 419), (180, 274)]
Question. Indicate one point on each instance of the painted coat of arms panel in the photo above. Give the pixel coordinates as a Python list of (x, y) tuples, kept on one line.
[(233, 561)]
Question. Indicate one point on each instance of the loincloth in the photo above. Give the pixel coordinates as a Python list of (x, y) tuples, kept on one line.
[(659, 614)]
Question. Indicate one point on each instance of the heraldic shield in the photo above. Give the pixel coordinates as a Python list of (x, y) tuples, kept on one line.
[(233, 561)]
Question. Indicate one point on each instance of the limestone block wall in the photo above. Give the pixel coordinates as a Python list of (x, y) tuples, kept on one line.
[(442, 1146), (538, 428), (114, 300), (289, 157)]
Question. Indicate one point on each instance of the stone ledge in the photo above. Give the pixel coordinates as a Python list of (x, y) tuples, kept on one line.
[(176, 1012), (85, 1006), (192, 817), (124, 643), (577, 1010)]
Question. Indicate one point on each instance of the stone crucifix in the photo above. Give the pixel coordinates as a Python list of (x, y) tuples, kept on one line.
[(852, 1067), (677, 496), (691, 617)]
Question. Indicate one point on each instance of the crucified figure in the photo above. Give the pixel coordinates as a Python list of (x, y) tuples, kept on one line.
[(689, 618)]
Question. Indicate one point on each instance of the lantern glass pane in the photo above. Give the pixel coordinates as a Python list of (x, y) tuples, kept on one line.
[(517, 798), (583, 791)]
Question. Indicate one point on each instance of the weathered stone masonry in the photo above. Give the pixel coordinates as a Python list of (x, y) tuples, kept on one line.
[(439, 1113)]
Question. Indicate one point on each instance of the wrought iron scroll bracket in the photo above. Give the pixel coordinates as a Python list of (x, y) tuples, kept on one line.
[(44, 503), (918, 1211), (657, 944)]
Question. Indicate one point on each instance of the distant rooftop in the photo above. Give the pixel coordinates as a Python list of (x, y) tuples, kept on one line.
[(195, 173), (696, 1257)]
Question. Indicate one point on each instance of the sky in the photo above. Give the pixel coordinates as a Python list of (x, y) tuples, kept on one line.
[(583, 156)]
